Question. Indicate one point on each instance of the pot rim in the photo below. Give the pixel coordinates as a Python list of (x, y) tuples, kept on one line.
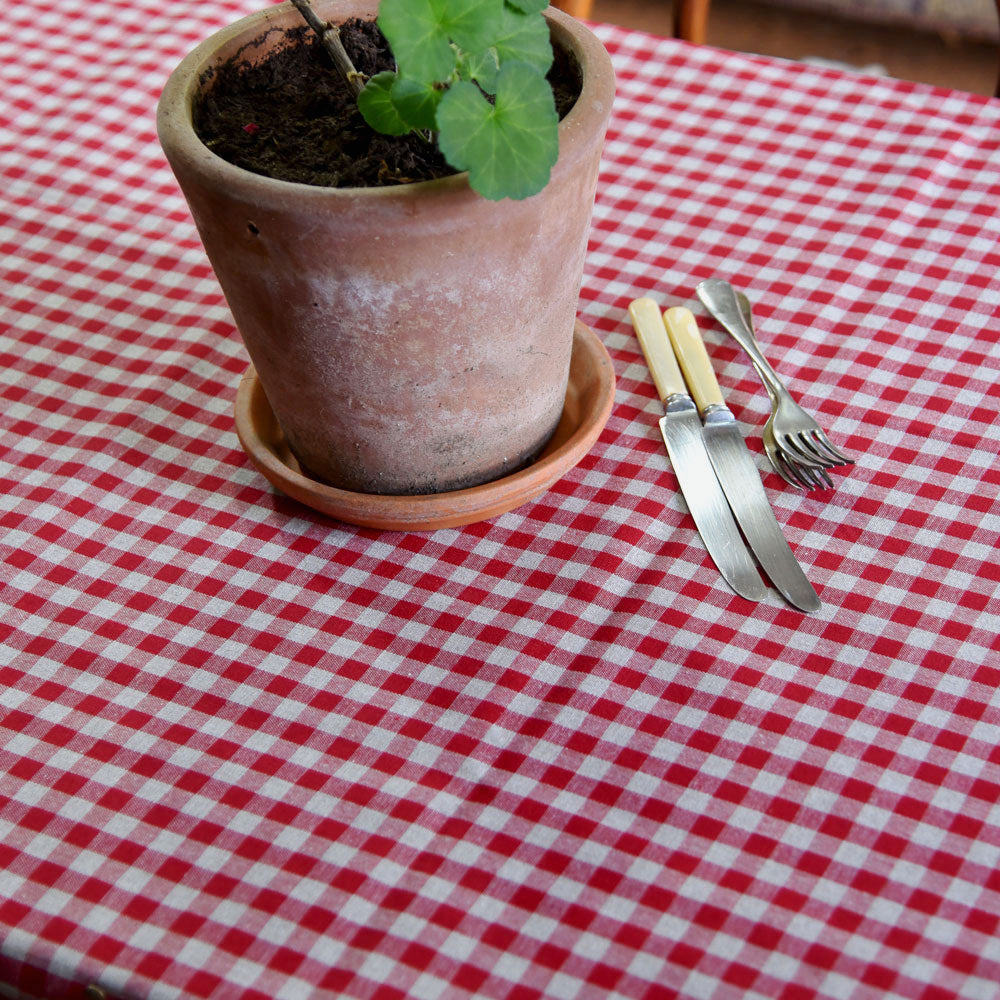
[(181, 143)]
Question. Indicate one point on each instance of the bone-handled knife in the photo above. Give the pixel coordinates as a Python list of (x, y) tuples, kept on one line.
[(682, 433), (734, 465)]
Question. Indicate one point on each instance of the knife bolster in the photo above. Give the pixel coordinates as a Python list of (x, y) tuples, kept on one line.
[(717, 413), (679, 402)]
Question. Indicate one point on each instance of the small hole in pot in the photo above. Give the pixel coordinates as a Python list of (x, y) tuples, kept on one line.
[(254, 231)]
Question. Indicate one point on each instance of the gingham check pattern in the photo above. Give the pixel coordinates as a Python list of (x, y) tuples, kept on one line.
[(251, 753)]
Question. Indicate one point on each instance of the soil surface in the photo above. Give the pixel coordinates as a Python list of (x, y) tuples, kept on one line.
[(292, 117)]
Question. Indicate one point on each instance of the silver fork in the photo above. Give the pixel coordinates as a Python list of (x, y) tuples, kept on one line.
[(795, 444)]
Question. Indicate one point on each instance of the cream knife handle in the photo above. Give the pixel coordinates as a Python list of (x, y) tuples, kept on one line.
[(648, 323), (691, 353)]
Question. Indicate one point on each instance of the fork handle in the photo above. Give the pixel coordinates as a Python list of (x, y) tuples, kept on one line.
[(720, 299)]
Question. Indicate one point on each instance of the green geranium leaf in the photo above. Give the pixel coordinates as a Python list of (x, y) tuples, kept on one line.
[(481, 67), (420, 33), (376, 105), (529, 6), (413, 29), (473, 24), (524, 38), (510, 147), (416, 102)]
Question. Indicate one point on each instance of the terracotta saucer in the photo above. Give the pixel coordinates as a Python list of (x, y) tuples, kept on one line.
[(589, 397)]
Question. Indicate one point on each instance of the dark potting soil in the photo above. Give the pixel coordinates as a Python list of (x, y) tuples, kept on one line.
[(292, 117)]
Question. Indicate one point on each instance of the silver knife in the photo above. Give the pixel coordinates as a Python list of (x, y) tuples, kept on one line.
[(734, 465), (682, 433)]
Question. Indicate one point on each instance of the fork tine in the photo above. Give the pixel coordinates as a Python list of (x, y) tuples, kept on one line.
[(797, 445), (817, 477), (788, 473), (807, 477), (794, 473), (820, 438), (810, 447), (826, 483), (775, 457)]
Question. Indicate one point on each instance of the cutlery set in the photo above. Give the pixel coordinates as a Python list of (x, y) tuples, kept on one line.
[(714, 468), (795, 444)]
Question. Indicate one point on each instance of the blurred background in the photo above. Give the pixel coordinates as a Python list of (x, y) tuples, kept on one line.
[(951, 43)]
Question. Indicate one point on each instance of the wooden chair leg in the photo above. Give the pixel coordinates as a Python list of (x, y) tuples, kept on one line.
[(691, 23), (691, 20), (581, 8), (996, 92)]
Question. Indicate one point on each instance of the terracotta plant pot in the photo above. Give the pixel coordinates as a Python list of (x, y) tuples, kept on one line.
[(410, 339)]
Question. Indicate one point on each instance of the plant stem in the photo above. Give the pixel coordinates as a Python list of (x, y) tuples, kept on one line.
[(329, 36)]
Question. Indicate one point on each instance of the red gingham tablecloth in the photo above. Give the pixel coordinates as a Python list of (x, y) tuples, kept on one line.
[(248, 752)]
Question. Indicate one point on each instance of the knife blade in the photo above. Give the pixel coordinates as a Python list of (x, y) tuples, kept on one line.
[(734, 465), (681, 429)]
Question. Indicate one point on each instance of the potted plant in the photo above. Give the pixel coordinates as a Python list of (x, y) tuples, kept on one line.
[(412, 338)]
